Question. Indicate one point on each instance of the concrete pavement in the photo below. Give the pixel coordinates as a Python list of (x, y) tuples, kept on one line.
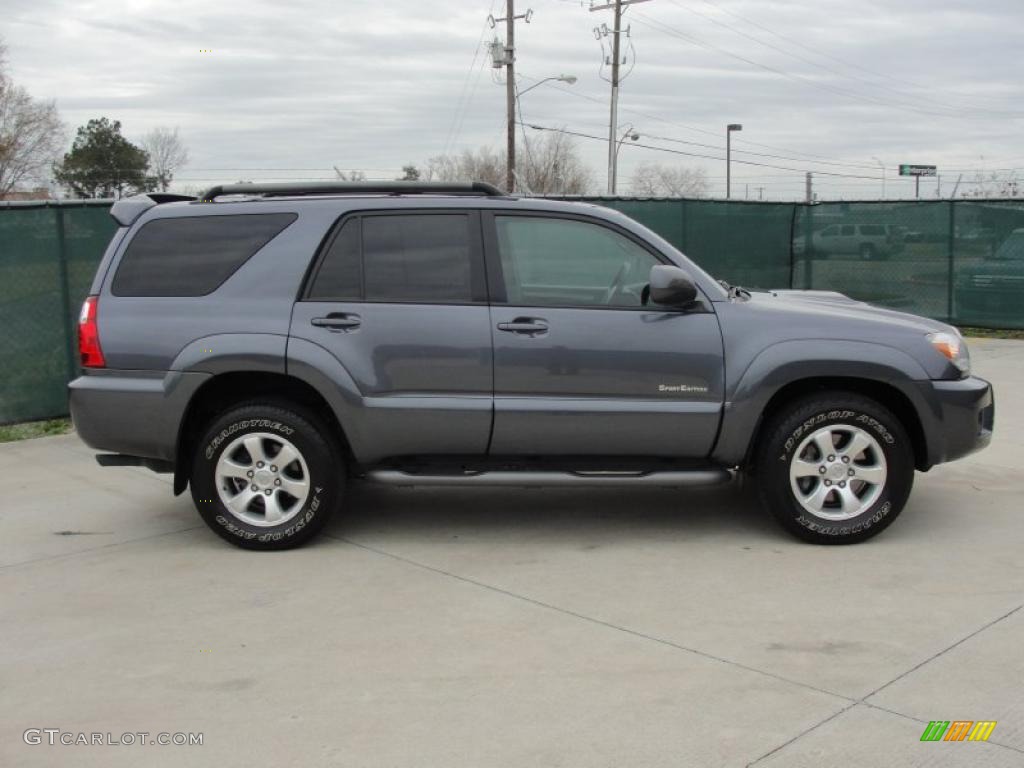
[(544, 627)]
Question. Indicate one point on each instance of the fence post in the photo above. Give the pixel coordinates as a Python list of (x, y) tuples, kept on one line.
[(683, 246), (792, 248), (65, 292), (951, 256), (808, 242)]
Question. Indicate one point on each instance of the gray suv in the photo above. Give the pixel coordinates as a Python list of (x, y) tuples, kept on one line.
[(267, 343)]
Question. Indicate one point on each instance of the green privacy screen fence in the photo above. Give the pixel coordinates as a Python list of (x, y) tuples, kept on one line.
[(48, 254), (960, 261)]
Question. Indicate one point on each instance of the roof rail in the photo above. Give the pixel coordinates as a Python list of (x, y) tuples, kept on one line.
[(288, 189)]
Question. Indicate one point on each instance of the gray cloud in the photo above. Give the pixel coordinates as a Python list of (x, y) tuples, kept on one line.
[(360, 84)]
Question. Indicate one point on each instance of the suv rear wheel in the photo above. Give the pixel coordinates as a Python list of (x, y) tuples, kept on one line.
[(265, 477), (835, 468)]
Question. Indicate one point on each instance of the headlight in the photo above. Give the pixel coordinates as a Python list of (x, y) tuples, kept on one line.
[(953, 348)]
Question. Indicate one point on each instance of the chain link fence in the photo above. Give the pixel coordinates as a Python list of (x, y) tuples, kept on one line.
[(959, 261)]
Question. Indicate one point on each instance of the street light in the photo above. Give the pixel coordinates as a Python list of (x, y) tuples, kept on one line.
[(883, 167), (630, 134), (567, 79), (728, 156)]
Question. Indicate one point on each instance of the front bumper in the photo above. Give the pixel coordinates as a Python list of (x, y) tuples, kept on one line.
[(965, 416)]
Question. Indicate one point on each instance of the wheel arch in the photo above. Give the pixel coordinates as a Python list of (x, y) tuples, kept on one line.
[(225, 390), (886, 394)]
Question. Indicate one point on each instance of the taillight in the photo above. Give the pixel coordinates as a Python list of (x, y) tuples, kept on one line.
[(90, 354)]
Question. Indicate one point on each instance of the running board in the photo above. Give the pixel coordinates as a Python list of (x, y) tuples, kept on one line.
[(549, 479)]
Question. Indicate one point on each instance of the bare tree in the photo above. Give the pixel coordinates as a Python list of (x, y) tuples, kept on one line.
[(552, 166), (549, 166), (167, 154), (994, 185), (349, 175), (31, 134), (483, 164), (653, 180)]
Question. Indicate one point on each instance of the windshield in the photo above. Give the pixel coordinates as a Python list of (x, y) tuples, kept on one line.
[(1012, 247)]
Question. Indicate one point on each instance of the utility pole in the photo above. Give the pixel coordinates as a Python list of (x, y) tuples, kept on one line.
[(510, 94), (509, 62), (729, 129), (616, 58), (760, 193), (809, 191)]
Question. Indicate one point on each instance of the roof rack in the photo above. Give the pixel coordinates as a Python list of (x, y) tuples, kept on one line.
[(353, 188)]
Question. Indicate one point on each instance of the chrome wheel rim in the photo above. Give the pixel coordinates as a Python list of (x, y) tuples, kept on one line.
[(838, 472), (262, 479)]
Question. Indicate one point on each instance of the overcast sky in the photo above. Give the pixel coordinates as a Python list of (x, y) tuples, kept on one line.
[(300, 86)]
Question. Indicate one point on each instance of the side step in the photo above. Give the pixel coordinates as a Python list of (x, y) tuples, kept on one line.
[(563, 479)]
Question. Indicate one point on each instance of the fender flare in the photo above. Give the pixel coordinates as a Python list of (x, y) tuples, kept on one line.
[(267, 353), (788, 362)]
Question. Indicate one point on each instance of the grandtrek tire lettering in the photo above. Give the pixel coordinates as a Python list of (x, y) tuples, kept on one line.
[(852, 509), (312, 450), (226, 433)]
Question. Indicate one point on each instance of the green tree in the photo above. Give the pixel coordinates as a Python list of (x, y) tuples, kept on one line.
[(410, 173), (103, 163)]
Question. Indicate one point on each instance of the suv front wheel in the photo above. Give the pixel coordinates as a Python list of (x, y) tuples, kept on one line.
[(835, 468), (265, 477)]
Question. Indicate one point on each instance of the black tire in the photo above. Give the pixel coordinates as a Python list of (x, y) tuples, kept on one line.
[(323, 473), (788, 430)]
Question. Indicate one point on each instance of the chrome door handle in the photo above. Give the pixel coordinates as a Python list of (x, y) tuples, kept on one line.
[(530, 326), (337, 321)]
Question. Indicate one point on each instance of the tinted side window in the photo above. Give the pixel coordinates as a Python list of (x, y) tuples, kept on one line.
[(417, 257), (192, 256), (341, 273), (563, 262)]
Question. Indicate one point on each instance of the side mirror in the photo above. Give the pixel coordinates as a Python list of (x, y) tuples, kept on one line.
[(671, 286)]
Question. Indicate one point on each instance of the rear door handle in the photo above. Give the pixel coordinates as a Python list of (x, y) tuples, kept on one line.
[(338, 321), (529, 326)]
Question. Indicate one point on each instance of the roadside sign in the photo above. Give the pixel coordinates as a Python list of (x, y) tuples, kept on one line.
[(918, 170)]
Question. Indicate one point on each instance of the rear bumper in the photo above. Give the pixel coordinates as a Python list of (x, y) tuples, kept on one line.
[(135, 413), (965, 417)]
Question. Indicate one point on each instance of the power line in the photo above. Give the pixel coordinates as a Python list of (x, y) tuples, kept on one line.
[(822, 53), (673, 32), (466, 95), (797, 154), (706, 157), (834, 71)]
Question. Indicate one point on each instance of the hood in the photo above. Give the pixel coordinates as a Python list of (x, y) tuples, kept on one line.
[(838, 312), (775, 316)]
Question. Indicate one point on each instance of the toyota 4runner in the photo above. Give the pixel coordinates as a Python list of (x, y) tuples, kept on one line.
[(265, 343)]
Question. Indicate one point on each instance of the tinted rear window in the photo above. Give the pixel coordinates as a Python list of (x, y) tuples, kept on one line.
[(417, 258), (341, 272), (193, 256), (421, 257)]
